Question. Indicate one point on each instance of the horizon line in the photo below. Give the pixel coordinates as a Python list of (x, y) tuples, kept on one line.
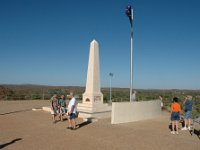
[(30, 84)]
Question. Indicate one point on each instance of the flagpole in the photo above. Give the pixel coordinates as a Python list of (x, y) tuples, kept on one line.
[(131, 69), (129, 13), (111, 75)]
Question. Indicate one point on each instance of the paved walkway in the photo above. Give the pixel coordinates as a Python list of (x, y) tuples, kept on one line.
[(21, 128)]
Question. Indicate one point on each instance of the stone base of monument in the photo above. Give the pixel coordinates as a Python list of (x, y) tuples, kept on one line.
[(93, 112), (46, 108), (90, 112)]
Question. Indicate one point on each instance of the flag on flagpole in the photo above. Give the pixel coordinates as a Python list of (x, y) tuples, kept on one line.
[(129, 13)]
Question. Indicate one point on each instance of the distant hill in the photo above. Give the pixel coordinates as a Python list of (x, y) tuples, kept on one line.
[(32, 87), (5, 91), (45, 92)]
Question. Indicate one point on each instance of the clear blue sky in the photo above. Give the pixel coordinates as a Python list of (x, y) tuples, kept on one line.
[(47, 42)]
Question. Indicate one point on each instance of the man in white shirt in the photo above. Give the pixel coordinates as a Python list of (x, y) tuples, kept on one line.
[(133, 96), (71, 111)]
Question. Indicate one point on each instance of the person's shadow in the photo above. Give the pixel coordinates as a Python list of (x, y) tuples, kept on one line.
[(170, 127), (196, 132), (83, 124), (8, 143)]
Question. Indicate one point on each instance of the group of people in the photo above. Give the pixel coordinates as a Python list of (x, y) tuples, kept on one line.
[(176, 112), (58, 108)]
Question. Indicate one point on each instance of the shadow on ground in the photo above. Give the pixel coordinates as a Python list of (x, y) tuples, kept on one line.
[(9, 143), (84, 124), (16, 111), (195, 132)]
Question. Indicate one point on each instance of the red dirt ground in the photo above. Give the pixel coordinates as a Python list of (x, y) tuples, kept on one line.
[(34, 130)]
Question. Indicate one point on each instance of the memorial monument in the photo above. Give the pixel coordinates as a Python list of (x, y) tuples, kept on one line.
[(92, 105)]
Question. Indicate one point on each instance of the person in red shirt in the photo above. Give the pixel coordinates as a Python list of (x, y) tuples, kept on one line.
[(175, 115)]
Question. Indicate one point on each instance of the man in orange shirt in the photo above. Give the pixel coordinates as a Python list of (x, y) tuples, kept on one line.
[(175, 115)]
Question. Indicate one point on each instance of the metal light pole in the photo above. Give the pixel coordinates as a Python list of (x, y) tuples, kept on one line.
[(111, 75), (129, 13)]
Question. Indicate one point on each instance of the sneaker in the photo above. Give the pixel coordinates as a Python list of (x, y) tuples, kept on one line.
[(189, 128), (172, 132), (177, 132), (185, 128)]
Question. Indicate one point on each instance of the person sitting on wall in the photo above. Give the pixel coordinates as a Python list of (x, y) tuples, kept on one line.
[(161, 104)]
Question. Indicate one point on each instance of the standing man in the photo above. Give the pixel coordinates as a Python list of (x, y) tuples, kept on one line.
[(133, 99), (188, 103), (62, 106), (54, 107), (71, 111)]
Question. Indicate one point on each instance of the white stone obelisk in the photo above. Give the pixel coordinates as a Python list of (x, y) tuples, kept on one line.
[(92, 106), (93, 93)]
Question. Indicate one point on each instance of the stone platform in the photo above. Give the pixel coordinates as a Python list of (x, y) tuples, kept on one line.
[(94, 111)]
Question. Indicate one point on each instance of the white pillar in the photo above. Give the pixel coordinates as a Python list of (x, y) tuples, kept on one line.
[(93, 93)]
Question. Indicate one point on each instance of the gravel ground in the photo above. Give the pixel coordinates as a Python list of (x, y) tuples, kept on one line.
[(24, 129)]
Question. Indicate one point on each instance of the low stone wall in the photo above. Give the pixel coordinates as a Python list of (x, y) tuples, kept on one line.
[(123, 112)]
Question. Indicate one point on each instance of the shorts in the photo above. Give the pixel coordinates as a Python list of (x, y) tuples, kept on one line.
[(72, 116), (63, 110), (188, 114), (175, 116), (54, 111)]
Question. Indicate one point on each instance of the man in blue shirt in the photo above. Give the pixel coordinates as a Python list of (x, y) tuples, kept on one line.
[(62, 106), (188, 103)]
